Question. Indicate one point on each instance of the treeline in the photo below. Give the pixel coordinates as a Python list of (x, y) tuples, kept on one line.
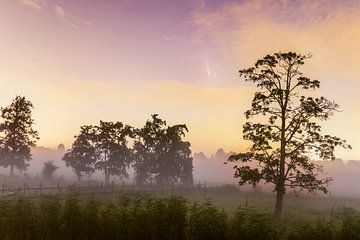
[(130, 217), (156, 152)]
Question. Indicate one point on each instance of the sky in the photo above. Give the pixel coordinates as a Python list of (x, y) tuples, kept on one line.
[(80, 61)]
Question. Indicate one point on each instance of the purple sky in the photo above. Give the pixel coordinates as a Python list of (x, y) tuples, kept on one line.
[(85, 60)]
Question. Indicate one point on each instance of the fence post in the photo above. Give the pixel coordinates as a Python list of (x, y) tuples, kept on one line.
[(40, 188), (3, 189), (58, 188), (24, 189)]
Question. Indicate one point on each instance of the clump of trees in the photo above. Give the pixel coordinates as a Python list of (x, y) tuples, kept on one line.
[(17, 135), (288, 131), (103, 147), (156, 152)]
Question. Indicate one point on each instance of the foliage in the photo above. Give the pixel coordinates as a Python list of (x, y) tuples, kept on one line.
[(50, 211), (145, 217), (207, 222), (17, 135), (49, 169), (251, 224), (82, 155), (102, 147), (282, 145), (160, 153)]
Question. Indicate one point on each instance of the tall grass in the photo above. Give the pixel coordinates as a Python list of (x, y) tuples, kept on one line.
[(207, 222), (147, 217)]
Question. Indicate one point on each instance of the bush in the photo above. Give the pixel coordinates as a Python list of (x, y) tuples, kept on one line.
[(249, 224), (207, 222), (321, 230)]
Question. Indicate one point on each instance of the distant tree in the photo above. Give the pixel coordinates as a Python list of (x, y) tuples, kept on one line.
[(288, 132), (160, 153), (49, 169), (61, 148), (102, 147), (82, 155), (17, 135)]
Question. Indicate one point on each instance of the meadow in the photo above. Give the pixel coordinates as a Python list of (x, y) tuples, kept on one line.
[(211, 213)]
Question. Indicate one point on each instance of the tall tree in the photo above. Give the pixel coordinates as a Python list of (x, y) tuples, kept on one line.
[(17, 135), (147, 149), (288, 133), (82, 155), (175, 162), (114, 155), (160, 153)]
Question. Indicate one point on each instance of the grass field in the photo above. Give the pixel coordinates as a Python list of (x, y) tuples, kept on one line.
[(211, 213)]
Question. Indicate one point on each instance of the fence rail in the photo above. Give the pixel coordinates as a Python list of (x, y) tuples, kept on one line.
[(27, 191)]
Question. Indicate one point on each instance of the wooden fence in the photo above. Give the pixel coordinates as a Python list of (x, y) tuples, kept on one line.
[(27, 191)]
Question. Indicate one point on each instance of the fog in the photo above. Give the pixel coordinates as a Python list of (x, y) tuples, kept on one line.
[(208, 169), (345, 174)]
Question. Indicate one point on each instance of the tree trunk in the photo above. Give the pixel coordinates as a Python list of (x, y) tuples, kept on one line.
[(280, 186), (279, 203), (106, 171), (11, 170), (107, 177)]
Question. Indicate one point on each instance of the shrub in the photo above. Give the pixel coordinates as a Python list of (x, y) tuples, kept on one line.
[(249, 224), (207, 222)]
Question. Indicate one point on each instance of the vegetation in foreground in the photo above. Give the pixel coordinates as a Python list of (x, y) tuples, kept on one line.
[(145, 217)]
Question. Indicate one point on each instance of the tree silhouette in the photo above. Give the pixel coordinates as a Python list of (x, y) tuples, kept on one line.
[(61, 147), (146, 149), (282, 145), (114, 156), (175, 164), (160, 153), (17, 134), (102, 147), (49, 169), (82, 155)]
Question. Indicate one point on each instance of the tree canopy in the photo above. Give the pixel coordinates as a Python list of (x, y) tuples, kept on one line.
[(103, 147), (155, 151), (82, 155), (161, 154)]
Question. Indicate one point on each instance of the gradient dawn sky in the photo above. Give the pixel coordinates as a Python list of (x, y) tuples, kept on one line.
[(80, 61)]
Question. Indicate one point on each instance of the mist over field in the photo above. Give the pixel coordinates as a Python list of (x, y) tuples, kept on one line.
[(208, 169)]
